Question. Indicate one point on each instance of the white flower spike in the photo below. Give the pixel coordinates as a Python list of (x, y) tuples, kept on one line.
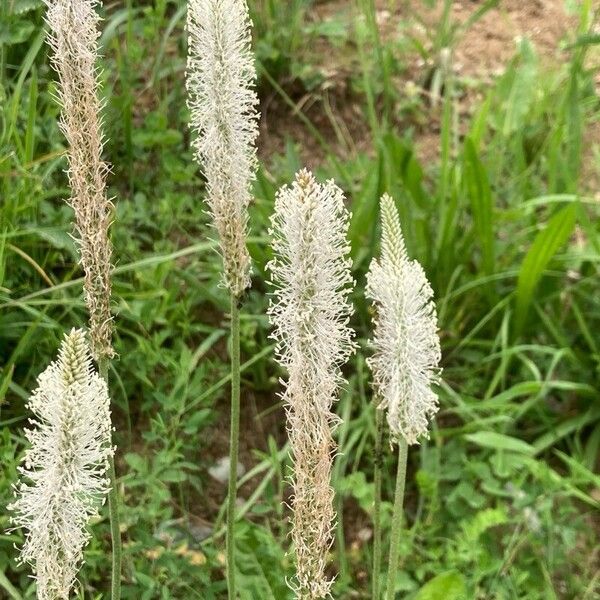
[(310, 312), (222, 100), (405, 362), (63, 477)]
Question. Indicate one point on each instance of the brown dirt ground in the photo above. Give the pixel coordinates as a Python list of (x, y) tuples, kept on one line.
[(480, 57)]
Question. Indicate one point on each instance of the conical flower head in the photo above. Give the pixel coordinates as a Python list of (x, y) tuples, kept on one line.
[(405, 361), (222, 100), (63, 477), (309, 312), (73, 37)]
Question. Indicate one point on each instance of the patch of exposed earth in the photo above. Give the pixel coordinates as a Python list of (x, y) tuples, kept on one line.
[(480, 55)]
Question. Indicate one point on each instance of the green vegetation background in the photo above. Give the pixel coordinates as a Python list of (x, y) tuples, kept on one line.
[(503, 501)]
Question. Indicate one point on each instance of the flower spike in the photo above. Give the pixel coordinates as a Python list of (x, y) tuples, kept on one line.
[(309, 312), (64, 473), (406, 342), (221, 78), (73, 37)]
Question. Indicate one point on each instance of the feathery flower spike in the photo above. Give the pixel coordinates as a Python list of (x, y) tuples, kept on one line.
[(406, 342), (63, 477), (74, 41), (220, 81), (310, 312)]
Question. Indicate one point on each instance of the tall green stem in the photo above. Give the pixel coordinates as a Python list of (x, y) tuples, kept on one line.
[(113, 509), (377, 506), (397, 519), (234, 441)]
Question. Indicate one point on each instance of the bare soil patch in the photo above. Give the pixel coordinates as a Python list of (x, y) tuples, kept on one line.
[(480, 56)]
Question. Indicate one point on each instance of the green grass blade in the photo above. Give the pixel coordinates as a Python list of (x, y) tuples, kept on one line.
[(544, 247), (480, 194), (8, 587)]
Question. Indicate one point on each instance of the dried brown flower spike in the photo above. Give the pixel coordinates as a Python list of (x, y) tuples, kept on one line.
[(73, 38)]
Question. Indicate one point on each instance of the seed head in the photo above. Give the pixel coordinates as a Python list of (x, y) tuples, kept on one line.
[(73, 39), (310, 312), (220, 82), (63, 476), (406, 342)]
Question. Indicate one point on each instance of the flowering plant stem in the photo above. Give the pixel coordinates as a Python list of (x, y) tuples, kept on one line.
[(397, 518), (377, 504), (113, 509), (234, 443)]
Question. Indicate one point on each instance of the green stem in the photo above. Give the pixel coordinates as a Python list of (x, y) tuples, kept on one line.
[(113, 509), (233, 443), (397, 519), (377, 506), (338, 474)]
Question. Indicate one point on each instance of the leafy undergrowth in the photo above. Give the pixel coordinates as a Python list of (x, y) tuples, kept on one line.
[(502, 502)]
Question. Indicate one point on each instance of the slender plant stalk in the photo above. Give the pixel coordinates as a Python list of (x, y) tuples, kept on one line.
[(221, 82), (377, 505), (233, 443), (113, 509), (397, 518)]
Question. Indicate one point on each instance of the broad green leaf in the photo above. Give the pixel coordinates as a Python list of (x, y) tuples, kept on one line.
[(136, 462), (556, 433), (544, 247), (15, 31), (59, 239), (499, 441), (445, 586), (485, 519)]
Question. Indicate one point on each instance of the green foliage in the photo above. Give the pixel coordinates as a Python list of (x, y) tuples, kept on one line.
[(15, 26), (543, 249), (500, 217), (445, 586)]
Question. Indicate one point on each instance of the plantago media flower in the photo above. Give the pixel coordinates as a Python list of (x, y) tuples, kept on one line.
[(220, 81), (406, 342), (63, 477), (310, 311), (74, 41)]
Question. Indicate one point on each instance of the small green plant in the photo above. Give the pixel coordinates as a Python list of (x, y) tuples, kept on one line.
[(280, 29)]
